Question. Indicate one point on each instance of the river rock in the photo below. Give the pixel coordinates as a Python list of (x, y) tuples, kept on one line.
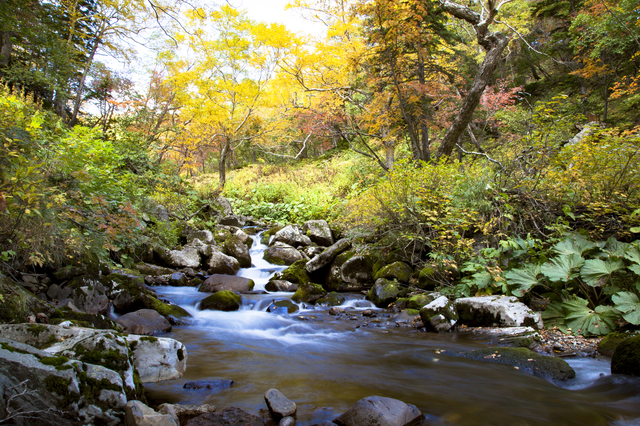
[(496, 311), (154, 270), (209, 384), (279, 405), (280, 285), (525, 337), (17, 304), (357, 272), (144, 321), (332, 299), (158, 359), (283, 307), (396, 271), (384, 292), (327, 256), (224, 300), (244, 237), (234, 247), (319, 232), (232, 416), (178, 279), (233, 220), (57, 389), (626, 357), (220, 263), (203, 235), (89, 295), (287, 421), (295, 273), (379, 411), (282, 254), (218, 282), (308, 293), (190, 256), (223, 205), (610, 342), (292, 236), (429, 277), (138, 414), (547, 367), (440, 315), (182, 413)]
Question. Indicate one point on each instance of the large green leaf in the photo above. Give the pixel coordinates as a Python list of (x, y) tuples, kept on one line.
[(635, 268), (561, 268), (522, 280), (594, 271), (633, 254), (629, 304), (582, 320), (574, 244), (553, 316), (616, 248)]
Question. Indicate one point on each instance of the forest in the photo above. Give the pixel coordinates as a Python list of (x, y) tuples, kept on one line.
[(493, 146)]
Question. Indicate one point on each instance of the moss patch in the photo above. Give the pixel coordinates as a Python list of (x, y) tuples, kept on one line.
[(308, 293), (54, 360), (608, 345), (626, 357), (296, 273), (224, 300)]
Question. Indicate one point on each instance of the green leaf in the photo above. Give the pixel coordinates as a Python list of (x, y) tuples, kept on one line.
[(594, 270), (582, 320), (635, 269), (629, 304), (561, 268), (633, 254), (553, 316), (574, 244), (616, 248), (522, 280)]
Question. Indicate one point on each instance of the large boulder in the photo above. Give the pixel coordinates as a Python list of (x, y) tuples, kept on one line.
[(356, 274), (224, 300), (282, 254), (182, 413), (496, 311), (440, 315), (396, 271), (203, 235), (279, 405), (308, 293), (232, 416), (327, 256), (380, 411), (219, 282), (89, 295), (190, 256), (295, 273), (292, 236), (157, 358), (144, 321), (525, 337), (154, 270), (626, 357), (233, 220), (139, 414), (56, 389), (607, 346), (547, 367), (319, 232), (234, 247), (220, 263), (385, 292), (18, 304), (280, 285)]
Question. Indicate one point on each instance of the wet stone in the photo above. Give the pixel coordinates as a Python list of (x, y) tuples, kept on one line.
[(209, 384)]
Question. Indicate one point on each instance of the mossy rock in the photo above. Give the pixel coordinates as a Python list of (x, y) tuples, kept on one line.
[(224, 300), (296, 273), (220, 235), (384, 292), (626, 357), (266, 235), (308, 293), (419, 301), (133, 296), (428, 277), (398, 270), (547, 367), (332, 299), (343, 257), (610, 342), (83, 319), (283, 306), (18, 304)]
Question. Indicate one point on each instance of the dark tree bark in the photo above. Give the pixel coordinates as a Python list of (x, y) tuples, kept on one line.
[(494, 44)]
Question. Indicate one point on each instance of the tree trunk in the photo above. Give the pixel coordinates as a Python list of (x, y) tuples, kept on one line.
[(494, 44), (78, 101), (222, 163), (7, 47)]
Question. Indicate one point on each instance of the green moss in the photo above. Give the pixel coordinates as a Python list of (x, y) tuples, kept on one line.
[(224, 300), (138, 391), (8, 347), (296, 273), (36, 329), (608, 345), (60, 386), (412, 312), (83, 319), (109, 358), (308, 293), (397, 270), (54, 360), (149, 339), (90, 389), (343, 257), (385, 292), (419, 301), (626, 357)]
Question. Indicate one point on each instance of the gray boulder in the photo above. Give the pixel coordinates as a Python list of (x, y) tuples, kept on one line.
[(89, 295), (224, 300), (144, 321), (440, 315), (396, 271), (282, 254), (138, 414), (234, 247), (356, 273), (626, 357), (182, 413), (279, 405), (496, 311), (190, 256), (157, 359), (224, 206), (244, 237), (203, 235), (327, 256), (232, 416), (379, 411), (292, 236), (220, 263), (218, 282), (319, 232), (233, 220), (385, 292), (280, 285)]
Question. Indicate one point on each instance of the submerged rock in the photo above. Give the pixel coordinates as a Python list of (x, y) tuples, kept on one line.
[(379, 411), (144, 321), (279, 405), (500, 311), (224, 300), (525, 337), (220, 282), (209, 384), (548, 367), (626, 357), (283, 307)]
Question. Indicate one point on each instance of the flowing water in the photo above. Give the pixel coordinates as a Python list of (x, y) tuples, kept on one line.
[(326, 364)]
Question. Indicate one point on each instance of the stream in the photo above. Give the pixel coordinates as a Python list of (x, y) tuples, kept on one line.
[(325, 364)]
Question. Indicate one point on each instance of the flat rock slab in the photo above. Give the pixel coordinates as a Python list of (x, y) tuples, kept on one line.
[(496, 311), (279, 405), (380, 411), (220, 282), (144, 321), (138, 414), (232, 416)]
